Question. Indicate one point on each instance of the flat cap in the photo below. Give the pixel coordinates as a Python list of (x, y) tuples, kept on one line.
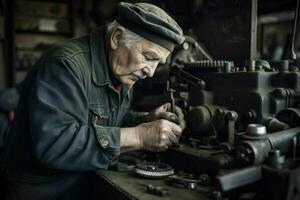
[(150, 22)]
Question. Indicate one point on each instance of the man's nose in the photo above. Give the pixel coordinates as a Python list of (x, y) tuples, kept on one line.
[(149, 70)]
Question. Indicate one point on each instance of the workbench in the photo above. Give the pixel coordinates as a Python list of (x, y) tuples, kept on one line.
[(127, 186)]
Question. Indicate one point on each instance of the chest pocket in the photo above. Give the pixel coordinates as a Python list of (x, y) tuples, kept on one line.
[(99, 115)]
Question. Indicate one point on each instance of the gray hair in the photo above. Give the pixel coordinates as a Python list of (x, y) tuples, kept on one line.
[(128, 38)]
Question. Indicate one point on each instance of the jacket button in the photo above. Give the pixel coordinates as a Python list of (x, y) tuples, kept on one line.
[(104, 143)]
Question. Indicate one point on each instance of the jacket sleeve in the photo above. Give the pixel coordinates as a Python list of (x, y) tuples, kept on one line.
[(62, 135), (133, 118)]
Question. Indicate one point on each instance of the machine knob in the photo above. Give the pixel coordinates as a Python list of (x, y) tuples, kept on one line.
[(256, 130)]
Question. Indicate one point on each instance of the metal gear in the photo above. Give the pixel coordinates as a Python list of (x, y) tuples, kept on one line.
[(153, 170)]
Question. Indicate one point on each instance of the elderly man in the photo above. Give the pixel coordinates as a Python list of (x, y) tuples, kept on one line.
[(73, 115)]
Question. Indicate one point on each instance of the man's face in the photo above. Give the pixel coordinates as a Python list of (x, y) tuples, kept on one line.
[(138, 61)]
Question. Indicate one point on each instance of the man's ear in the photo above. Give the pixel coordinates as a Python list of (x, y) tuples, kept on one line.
[(116, 36)]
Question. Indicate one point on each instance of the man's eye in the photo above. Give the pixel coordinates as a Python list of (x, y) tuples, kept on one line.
[(151, 58), (148, 58)]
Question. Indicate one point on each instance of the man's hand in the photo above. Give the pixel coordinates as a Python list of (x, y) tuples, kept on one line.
[(161, 112), (158, 135), (164, 112), (158, 130)]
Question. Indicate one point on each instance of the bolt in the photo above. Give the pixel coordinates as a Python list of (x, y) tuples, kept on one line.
[(185, 45), (275, 153), (227, 67), (216, 194), (204, 179), (243, 155), (283, 65), (280, 92), (250, 114), (219, 111), (151, 167), (191, 185), (251, 66)]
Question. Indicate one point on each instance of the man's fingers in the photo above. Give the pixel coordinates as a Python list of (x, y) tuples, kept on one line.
[(173, 139), (168, 116), (176, 130), (177, 118), (158, 135), (165, 107), (180, 116)]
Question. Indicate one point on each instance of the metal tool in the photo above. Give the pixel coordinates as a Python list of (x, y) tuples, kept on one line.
[(293, 54), (189, 181), (157, 190), (171, 94)]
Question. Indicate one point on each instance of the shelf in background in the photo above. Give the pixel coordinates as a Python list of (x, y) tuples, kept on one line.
[(43, 33)]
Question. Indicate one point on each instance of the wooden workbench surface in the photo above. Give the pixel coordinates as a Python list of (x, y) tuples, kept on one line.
[(125, 185)]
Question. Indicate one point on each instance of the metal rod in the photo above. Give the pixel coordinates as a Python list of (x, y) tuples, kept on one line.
[(294, 147), (171, 95), (293, 54)]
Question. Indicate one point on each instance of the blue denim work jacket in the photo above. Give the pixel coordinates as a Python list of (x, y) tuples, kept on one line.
[(69, 114)]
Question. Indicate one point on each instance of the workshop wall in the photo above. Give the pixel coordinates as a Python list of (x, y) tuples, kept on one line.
[(34, 25), (3, 80)]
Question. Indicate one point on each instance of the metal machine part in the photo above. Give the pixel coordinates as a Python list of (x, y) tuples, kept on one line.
[(239, 178), (189, 181), (188, 51), (289, 116), (157, 190), (293, 54), (273, 124), (281, 182), (275, 159), (256, 130), (211, 66), (171, 94), (153, 170), (209, 120), (122, 166), (126, 162), (255, 149), (241, 119), (254, 94)]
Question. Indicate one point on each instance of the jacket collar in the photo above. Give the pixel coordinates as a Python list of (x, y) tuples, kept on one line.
[(100, 70), (101, 74)]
